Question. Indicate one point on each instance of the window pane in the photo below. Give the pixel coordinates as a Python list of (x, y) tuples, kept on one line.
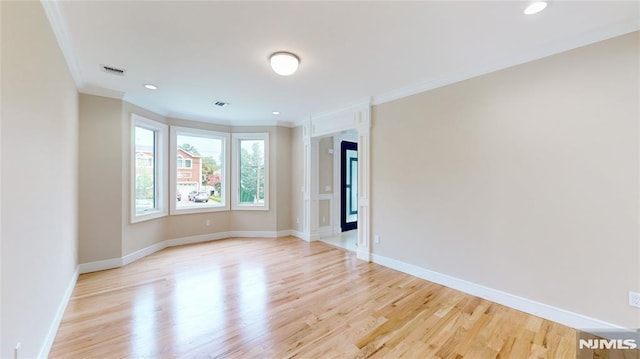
[(145, 173), (200, 172), (252, 171)]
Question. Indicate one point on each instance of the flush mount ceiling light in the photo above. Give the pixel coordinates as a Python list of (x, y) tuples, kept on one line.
[(284, 63), (276, 112), (535, 7), (151, 87)]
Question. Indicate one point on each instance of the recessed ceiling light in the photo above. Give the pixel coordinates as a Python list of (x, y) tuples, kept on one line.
[(284, 63), (151, 87), (276, 112), (535, 7)]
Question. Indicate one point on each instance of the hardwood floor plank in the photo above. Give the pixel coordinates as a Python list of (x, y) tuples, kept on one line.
[(285, 298)]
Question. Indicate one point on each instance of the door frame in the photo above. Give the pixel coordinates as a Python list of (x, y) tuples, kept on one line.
[(357, 118), (344, 147)]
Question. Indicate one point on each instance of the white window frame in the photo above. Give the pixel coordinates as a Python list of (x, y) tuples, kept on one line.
[(160, 175), (226, 199), (235, 153)]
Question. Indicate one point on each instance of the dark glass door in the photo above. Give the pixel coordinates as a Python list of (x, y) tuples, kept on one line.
[(349, 186)]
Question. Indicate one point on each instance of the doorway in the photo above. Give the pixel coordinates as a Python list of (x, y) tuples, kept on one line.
[(354, 122), (348, 186)]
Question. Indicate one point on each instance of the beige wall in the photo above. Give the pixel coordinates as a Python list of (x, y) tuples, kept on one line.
[(39, 178), (106, 231), (325, 165), (524, 180), (324, 213), (325, 179), (283, 185), (100, 183), (297, 180)]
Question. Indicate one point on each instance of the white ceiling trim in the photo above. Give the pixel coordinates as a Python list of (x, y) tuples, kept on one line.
[(132, 100), (99, 91), (58, 25), (549, 50), (214, 121)]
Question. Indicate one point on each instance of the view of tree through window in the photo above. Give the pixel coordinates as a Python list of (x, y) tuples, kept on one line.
[(252, 171), (199, 170), (145, 173)]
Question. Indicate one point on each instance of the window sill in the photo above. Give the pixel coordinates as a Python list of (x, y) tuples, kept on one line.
[(147, 216)]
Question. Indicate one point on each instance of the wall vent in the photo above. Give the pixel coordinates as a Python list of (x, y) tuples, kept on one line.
[(112, 70)]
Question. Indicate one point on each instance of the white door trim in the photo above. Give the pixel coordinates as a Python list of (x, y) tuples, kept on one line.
[(357, 118)]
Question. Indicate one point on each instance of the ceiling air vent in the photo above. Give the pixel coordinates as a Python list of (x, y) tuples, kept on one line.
[(221, 104), (112, 70)]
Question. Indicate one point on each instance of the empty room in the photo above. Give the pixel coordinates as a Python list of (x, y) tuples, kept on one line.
[(320, 179)]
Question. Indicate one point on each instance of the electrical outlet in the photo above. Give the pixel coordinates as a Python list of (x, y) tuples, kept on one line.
[(16, 351), (376, 238), (634, 299)]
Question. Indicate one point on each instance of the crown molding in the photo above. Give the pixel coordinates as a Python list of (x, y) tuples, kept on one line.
[(351, 107), (230, 123), (100, 91), (59, 26), (550, 49)]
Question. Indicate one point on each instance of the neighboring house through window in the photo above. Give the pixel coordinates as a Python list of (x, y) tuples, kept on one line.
[(201, 170), (148, 169)]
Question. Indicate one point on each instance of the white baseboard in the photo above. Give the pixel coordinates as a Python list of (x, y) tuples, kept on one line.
[(55, 324), (300, 235), (364, 254), (100, 265), (286, 233), (253, 234), (194, 239), (565, 317), (134, 256)]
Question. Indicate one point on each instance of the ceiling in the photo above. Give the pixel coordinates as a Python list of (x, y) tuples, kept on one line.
[(201, 52)]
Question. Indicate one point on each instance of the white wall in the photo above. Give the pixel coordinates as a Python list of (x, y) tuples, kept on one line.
[(524, 180), (39, 179)]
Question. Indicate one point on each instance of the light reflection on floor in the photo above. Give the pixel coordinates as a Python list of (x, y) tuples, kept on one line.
[(253, 300), (198, 308), (144, 339)]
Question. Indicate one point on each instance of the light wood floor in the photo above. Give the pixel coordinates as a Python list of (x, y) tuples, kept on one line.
[(283, 298)]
